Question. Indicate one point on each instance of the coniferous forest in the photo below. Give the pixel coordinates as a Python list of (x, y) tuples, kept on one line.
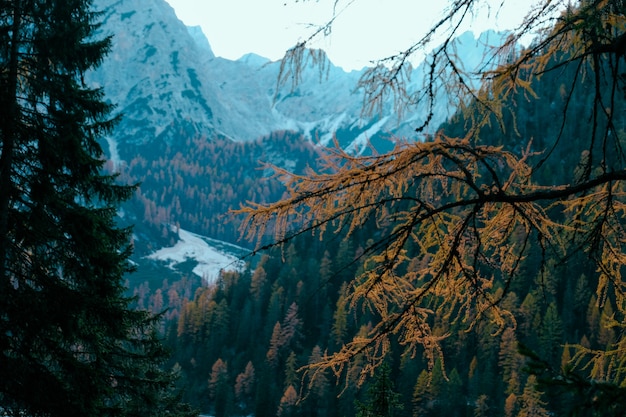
[(475, 273), (244, 342)]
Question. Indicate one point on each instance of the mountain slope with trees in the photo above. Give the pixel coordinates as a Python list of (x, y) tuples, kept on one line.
[(504, 228), (475, 273), (241, 342)]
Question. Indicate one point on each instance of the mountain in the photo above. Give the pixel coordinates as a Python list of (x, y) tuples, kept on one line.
[(194, 131), (168, 83), (151, 75), (195, 126)]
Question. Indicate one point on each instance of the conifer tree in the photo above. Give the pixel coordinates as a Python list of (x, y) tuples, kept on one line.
[(244, 386), (340, 318), (551, 334), (532, 404), (69, 343), (510, 404), (481, 408), (288, 403), (219, 389), (382, 400), (291, 370), (318, 386), (453, 396), (275, 346), (509, 358), (421, 395)]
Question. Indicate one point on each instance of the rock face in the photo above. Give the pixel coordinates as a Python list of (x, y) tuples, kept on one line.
[(168, 84), (151, 72)]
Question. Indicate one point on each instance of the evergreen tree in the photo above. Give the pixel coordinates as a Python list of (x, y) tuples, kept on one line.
[(509, 358), (291, 370), (532, 404), (510, 405), (244, 388), (70, 345), (421, 395), (288, 403), (219, 389), (551, 334), (453, 396), (481, 408), (317, 399), (340, 318), (382, 400)]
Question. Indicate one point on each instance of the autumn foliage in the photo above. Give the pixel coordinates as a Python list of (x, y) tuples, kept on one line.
[(456, 217), (444, 257)]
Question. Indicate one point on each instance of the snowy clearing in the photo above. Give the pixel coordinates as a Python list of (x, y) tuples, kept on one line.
[(194, 247)]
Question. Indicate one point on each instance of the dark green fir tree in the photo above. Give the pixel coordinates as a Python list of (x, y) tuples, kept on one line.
[(70, 345), (382, 400)]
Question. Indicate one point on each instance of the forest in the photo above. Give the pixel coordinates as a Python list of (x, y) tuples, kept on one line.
[(477, 271), (197, 190), (250, 343)]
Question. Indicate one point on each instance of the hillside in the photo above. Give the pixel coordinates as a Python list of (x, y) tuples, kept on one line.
[(249, 334), (195, 131), (195, 128)]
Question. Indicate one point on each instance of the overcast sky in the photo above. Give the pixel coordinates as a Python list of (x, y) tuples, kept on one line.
[(365, 31)]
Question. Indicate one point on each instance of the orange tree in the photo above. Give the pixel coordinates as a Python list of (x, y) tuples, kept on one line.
[(474, 211)]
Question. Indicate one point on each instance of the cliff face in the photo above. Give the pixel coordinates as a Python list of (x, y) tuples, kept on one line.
[(151, 73)]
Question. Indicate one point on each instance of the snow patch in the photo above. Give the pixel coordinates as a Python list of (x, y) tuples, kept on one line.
[(114, 154), (359, 144), (331, 124), (195, 247)]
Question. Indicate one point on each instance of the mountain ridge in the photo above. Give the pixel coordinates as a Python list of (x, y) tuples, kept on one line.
[(195, 126), (167, 82)]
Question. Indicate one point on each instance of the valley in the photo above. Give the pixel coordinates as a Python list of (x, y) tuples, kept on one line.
[(203, 136)]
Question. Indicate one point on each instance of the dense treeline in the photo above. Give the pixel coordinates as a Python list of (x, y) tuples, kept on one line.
[(240, 342), (259, 327), (196, 182)]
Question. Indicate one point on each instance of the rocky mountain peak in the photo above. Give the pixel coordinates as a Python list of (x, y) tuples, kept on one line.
[(152, 71), (169, 85)]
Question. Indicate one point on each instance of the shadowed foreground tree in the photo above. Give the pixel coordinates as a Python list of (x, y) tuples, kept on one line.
[(70, 345), (471, 213)]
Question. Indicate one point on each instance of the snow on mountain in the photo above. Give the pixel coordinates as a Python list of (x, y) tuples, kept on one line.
[(168, 84), (114, 155), (359, 145), (170, 87), (248, 87), (166, 81), (210, 255)]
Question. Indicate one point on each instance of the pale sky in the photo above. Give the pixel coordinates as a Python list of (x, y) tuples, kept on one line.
[(365, 31)]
